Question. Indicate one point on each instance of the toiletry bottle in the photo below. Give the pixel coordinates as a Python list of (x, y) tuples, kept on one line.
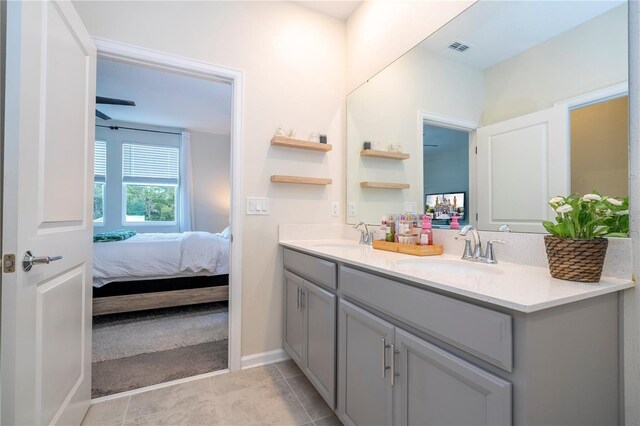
[(454, 222), (382, 232), (391, 237), (426, 235)]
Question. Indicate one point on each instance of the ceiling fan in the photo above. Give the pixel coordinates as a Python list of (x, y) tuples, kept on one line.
[(100, 100)]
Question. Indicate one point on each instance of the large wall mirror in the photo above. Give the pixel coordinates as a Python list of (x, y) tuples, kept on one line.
[(508, 105)]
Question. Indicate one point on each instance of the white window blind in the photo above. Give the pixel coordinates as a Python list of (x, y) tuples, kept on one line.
[(100, 161), (150, 164)]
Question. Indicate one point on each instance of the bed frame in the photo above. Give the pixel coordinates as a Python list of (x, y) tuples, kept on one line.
[(154, 294)]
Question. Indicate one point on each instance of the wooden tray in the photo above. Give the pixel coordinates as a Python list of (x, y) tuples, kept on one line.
[(412, 249)]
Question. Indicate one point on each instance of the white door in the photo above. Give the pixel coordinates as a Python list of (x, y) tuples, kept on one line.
[(522, 163), (47, 209)]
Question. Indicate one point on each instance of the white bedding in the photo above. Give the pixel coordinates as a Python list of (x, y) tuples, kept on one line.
[(148, 256)]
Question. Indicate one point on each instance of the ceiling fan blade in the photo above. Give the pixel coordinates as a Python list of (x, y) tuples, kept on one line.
[(102, 115), (113, 101)]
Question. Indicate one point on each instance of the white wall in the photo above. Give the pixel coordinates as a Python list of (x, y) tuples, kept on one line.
[(293, 60), (379, 32), (586, 58), (210, 166)]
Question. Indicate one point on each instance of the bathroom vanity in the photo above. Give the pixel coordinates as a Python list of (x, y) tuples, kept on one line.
[(388, 338)]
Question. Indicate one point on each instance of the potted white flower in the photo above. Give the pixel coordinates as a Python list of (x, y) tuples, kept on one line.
[(577, 246)]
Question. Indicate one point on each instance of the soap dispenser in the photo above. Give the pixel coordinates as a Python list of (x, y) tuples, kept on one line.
[(454, 223), (426, 234)]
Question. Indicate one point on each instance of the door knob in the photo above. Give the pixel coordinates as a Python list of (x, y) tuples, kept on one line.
[(29, 260)]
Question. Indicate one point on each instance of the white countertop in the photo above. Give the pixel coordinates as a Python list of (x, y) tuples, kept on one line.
[(518, 287)]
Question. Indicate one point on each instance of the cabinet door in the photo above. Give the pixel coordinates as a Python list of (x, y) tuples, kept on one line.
[(364, 377), (293, 317), (435, 387), (320, 340)]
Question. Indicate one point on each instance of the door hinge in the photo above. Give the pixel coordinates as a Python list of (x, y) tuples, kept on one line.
[(8, 263), (476, 150), (476, 216)]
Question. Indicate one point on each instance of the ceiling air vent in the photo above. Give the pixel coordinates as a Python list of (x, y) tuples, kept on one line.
[(459, 47)]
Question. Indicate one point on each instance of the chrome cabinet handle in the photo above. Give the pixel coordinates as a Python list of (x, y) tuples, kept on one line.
[(393, 364), (29, 260), (298, 307), (303, 302), (385, 367)]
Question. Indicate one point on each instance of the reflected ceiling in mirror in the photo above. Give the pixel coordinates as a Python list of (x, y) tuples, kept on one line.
[(513, 79)]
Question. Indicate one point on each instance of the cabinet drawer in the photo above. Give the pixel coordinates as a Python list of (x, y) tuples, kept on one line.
[(474, 329), (312, 268)]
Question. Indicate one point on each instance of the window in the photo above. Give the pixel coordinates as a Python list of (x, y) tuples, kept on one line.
[(150, 183), (99, 180)]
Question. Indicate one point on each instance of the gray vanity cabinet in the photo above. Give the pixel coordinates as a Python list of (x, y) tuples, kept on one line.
[(407, 354), (364, 379), (310, 332), (319, 307), (434, 387), (389, 376), (294, 317)]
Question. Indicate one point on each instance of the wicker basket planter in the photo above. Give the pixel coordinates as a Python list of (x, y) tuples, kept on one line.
[(576, 260)]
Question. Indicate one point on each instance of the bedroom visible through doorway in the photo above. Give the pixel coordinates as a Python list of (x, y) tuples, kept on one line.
[(162, 189)]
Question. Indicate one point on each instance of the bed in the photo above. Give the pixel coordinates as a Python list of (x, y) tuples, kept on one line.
[(152, 270)]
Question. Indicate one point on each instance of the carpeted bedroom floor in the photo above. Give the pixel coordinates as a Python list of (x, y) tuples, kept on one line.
[(139, 349)]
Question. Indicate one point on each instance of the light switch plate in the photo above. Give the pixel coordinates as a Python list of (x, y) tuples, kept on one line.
[(257, 206), (335, 208), (353, 211)]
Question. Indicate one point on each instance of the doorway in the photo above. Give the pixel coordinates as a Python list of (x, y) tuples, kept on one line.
[(448, 168), (156, 61), (446, 175)]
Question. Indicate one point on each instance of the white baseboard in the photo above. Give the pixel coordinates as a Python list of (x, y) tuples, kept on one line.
[(264, 358)]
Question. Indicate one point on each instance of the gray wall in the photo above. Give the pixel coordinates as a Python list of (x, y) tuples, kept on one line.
[(210, 160)]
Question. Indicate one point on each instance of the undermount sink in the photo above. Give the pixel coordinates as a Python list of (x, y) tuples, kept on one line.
[(340, 245), (448, 266)]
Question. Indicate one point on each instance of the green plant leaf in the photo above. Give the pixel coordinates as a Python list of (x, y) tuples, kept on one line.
[(549, 226)]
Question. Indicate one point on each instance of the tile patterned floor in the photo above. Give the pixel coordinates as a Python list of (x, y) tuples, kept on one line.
[(277, 394)]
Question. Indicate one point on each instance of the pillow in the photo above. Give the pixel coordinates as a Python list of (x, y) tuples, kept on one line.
[(226, 233)]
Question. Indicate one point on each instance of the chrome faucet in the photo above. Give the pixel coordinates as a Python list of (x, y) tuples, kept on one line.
[(490, 257), (475, 253), (365, 236)]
